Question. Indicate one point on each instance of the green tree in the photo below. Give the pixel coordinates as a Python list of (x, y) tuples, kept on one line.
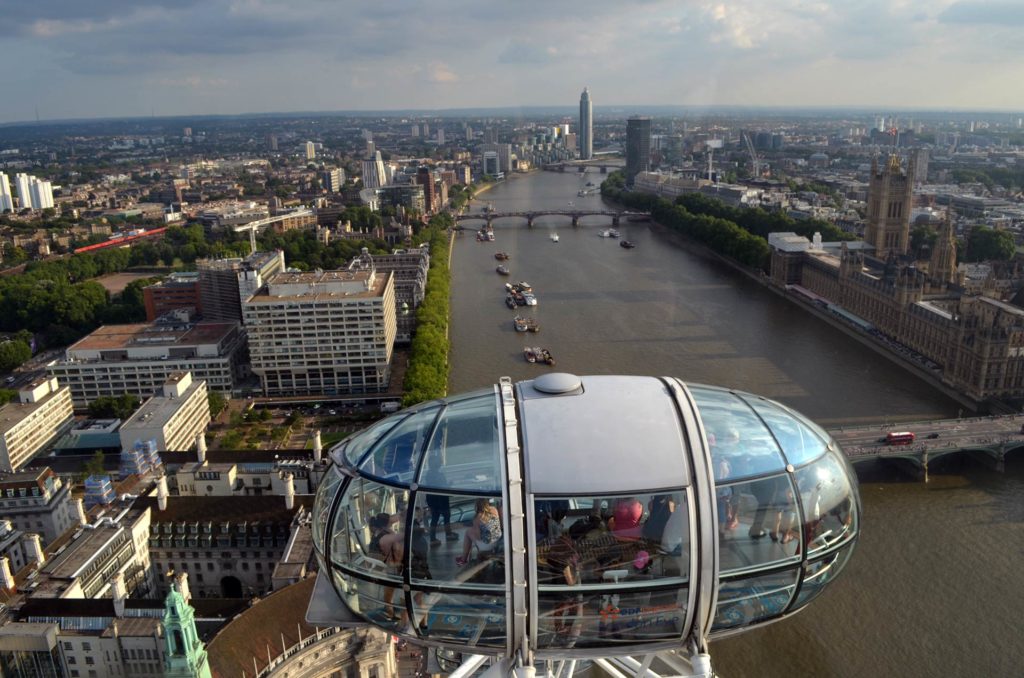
[(94, 467), (217, 402), (114, 407), (922, 236), (987, 244), (13, 354), (7, 395)]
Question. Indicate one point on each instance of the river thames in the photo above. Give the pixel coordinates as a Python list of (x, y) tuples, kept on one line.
[(934, 586)]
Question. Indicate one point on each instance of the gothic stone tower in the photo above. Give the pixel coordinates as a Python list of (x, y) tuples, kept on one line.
[(942, 265), (185, 653), (890, 194)]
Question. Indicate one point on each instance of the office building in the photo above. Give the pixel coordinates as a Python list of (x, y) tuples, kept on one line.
[(638, 147), (890, 198), (271, 142), (490, 164), (225, 283), (504, 152), (586, 132), (332, 180), (39, 501), (42, 412), (410, 267), (6, 198), (324, 332), (138, 359), (407, 196), (431, 199), (172, 419), (374, 173), (229, 545), (179, 290), (310, 150)]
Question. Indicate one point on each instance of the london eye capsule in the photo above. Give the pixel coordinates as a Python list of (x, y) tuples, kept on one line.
[(581, 517)]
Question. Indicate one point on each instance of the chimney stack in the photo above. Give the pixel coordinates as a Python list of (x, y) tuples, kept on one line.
[(6, 578), (78, 510), (289, 491), (34, 549), (162, 493), (318, 447), (119, 592), (201, 447)]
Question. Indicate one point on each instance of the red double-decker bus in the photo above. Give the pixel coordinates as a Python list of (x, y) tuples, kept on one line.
[(899, 438)]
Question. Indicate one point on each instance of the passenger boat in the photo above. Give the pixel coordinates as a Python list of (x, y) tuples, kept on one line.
[(501, 256), (544, 356), (554, 237), (612, 233), (532, 324), (510, 300), (529, 299), (520, 323), (530, 354), (502, 270), (627, 244), (490, 236), (520, 299), (523, 286)]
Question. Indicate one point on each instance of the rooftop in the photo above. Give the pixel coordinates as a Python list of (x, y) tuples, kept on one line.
[(13, 413), (158, 410), (267, 508), (151, 334)]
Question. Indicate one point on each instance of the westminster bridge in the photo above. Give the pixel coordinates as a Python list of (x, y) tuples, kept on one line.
[(576, 215)]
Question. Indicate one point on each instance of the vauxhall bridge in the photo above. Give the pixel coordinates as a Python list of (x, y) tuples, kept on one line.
[(576, 215)]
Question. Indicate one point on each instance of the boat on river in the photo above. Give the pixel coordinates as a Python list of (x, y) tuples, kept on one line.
[(529, 299), (520, 323), (501, 256), (628, 244), (531, 324), (554, 237), (502, 270), (510, 300), (535, 354), (609, 233)]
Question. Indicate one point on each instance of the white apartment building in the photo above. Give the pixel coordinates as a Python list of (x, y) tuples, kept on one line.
[(139, 358), (22, 182), (173, 419), (42, 193), (323, 332), (32, 192), (374, 172), (6, 199), (42, 413), (310, 150)]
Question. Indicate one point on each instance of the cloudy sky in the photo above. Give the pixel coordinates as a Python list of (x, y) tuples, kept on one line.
[(100, 58)]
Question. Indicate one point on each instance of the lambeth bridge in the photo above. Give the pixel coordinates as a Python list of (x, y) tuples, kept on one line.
[(576, 215), (989, 440), (581, 167)]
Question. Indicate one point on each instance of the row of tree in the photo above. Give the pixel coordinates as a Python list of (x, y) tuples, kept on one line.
[(427, 375)]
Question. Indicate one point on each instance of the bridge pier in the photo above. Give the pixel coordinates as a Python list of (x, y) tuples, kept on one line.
[(488, 224), (575, 220), (615, 220), (529, 221), (924, 465), (604, 169), (993, 462), (581, 169)]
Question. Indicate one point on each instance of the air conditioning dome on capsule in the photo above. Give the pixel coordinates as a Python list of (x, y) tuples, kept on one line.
[(632, 513)]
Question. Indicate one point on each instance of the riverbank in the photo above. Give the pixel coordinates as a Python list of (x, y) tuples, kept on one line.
[(919, 371)]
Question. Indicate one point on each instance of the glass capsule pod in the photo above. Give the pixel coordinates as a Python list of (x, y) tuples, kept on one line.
[(581, 517)]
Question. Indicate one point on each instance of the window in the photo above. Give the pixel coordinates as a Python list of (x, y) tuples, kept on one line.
[(90, 661)]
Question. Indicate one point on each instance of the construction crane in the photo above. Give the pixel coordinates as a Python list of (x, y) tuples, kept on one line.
[(756, 161)]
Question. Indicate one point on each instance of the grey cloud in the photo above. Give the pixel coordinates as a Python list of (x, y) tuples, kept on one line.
[(997, 12), (522, 52)]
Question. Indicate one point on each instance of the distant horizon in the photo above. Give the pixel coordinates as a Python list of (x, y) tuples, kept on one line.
[(539, 110)]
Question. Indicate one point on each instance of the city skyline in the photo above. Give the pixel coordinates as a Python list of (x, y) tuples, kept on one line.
[(112, 59)]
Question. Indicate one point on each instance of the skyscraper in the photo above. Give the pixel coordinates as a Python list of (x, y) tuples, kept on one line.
[(374, 173), (6, 200), (586, 126), (41, 191), (638, 147), (310, 150)]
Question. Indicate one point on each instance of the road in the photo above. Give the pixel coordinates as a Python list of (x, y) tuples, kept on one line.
[(944, 434)]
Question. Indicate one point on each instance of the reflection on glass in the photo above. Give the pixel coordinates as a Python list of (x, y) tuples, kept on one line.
[(626, 539), (464, 449), (741, 445), (366, 533), (436, 544), (322, 505), (376, 603), (819, 573), (600, 619), (758, 523), (358, 444), (394, 457), (472, 619), (828, 503), (800, 443), (753, 599)]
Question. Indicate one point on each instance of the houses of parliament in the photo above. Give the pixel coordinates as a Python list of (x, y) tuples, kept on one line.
[(971, 337)]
